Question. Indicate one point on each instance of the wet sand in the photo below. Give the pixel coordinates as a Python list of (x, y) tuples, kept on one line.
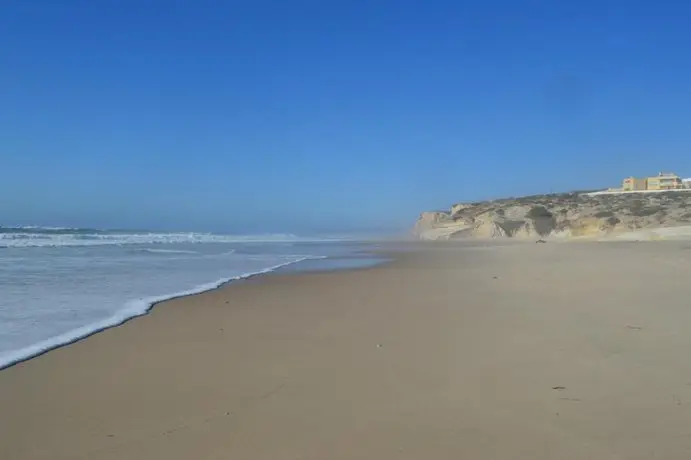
[(551, 351)]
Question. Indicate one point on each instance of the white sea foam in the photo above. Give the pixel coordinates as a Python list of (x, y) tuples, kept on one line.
[(169, 251), (26, 239), (128, 311), (39, 227)]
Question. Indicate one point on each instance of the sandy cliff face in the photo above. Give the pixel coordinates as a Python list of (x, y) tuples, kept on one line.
[(567, 215)]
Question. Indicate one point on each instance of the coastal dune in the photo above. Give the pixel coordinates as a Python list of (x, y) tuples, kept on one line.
[(453, 350)]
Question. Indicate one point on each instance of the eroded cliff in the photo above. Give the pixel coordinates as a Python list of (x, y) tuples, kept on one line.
[(566, 215)]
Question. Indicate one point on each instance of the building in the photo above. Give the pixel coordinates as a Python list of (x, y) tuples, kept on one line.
[(633, 183), (664, 181)]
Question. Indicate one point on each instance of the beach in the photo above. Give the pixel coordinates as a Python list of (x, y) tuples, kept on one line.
[(450, 351), (61, 284)]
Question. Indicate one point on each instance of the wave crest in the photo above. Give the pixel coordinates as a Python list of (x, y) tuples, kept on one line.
[(25, 238)]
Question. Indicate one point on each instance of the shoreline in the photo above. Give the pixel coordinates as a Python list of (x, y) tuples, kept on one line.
[(134, 309), (378, 257), (513, 351)]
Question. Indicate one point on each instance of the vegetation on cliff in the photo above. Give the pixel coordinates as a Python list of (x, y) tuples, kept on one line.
[(566, 215)]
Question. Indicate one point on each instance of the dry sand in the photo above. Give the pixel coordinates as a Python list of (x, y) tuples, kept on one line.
[(553, 351)]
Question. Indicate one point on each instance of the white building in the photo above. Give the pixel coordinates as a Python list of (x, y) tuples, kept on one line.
[(686, 182)]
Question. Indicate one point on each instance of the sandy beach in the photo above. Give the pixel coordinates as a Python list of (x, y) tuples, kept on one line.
[(524, 351)]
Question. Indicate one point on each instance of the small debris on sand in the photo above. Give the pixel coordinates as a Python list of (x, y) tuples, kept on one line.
[(631, 326), (559, 388)]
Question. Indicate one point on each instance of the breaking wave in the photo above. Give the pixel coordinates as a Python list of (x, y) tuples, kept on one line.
[(23, 237)]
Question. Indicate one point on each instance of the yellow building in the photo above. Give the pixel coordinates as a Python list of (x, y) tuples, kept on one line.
[(633, 183), (665, 181)]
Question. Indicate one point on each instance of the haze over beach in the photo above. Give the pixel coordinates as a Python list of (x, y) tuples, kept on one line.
[(307, 229)]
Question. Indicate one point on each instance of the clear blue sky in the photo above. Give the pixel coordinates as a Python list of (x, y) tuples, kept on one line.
[(260, 115)]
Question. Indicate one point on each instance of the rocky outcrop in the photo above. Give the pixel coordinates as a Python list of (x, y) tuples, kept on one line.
[(566, 215), (436, 225)]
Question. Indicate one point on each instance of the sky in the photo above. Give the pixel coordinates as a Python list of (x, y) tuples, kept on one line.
[(329, 115)]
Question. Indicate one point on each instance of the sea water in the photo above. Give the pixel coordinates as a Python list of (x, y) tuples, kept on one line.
[(58, 285)]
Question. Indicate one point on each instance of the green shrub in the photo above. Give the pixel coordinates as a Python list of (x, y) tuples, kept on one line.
[(613, 221), (537, 212), (644, 212)]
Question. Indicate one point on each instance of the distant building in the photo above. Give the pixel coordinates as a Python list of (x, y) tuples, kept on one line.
[(664, 181), (633, 183)]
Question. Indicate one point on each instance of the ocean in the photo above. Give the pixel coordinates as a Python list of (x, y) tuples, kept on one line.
[(58, 285)]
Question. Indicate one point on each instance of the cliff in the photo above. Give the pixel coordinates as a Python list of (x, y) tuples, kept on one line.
[(565, 215)]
